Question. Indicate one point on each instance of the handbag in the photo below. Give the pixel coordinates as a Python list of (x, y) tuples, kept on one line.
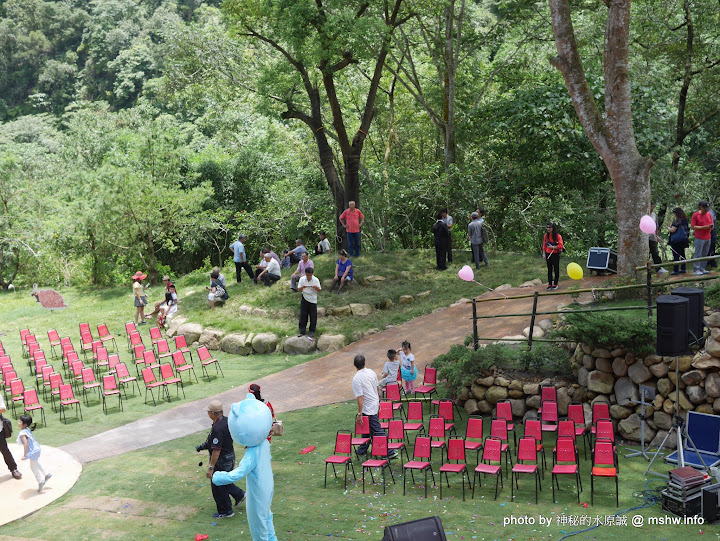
[(680, 235), (6, 427), (277, 428)]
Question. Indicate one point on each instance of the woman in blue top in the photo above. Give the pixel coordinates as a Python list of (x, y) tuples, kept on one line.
[(343, 271)]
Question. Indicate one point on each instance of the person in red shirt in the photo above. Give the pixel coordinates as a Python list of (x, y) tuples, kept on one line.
[(702, 224), (552, 246), (352, 220)]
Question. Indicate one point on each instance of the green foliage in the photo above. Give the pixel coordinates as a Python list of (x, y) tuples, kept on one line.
[(545, 358), (609, 331), (461, 364), (712, 296)]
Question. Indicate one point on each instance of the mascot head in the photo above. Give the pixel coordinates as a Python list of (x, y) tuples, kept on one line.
[(249, 421)]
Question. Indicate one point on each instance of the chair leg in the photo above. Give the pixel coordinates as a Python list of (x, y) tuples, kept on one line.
[(325, 483), (363, 480), (498, 477), (553, 480), (592, 489), (426, 482)]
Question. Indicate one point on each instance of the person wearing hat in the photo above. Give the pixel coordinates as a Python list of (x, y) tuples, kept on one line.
[(271, 273), (139, 296), (219, 445)]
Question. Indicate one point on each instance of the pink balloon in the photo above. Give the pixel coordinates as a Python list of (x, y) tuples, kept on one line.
[(647, 225), (466, 273)]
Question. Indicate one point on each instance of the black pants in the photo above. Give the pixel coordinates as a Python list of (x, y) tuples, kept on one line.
[(713, 262), (269, 279), (678, 251), (375, 430), (654, 251), (441, 249), (221, 493), (307, 309), (449, 248), (479, 254), (7, 455), (553, 265), (238, 270)]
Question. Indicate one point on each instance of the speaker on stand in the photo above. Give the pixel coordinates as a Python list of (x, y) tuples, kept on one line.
[(696, 296)]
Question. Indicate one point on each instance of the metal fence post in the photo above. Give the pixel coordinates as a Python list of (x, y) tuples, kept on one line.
[(649, 290), (532, 319), (475, 328)]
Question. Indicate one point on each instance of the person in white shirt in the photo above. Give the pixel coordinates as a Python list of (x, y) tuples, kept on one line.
[(271, 273), (309, 286), (448, 221), (365, 389)]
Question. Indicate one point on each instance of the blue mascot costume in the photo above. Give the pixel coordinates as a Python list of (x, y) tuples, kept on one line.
[(250, 422)]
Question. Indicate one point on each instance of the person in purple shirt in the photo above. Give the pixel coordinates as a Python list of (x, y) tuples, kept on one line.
[(305, 263)]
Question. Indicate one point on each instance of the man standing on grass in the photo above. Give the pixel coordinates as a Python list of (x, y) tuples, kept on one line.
[(240, 259), (476, 239), (366, 390), (448, 221), (309, 286), (352, 220), (702, 223)]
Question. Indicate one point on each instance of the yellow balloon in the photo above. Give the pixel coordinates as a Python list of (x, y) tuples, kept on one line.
[(574, 271)]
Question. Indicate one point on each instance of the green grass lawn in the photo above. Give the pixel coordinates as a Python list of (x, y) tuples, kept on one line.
[(160, 493)]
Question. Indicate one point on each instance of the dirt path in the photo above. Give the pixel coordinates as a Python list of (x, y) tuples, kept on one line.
[(326, 380)]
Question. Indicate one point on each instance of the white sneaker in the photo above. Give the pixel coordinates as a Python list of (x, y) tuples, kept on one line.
[(662, 271), (698, 273)]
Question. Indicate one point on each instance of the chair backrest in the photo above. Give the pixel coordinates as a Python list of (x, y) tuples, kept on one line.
[(603, 454), (474, 428), (130, 328), (180, 341), (149, 357), (565, 449), (72, 356), (498, 429), (23, 334), (77, 367), (566, 427), (604, 429), (456, 448), (548, 392), (533, 428), (53, 336), (380, 446), (203, 353), (102, 353), (162, 346), (121, 370), (135, 338), (30, 397), (103, 330), (178, 358), (113, 361), (549, 412), (109, 383), (148, 376), (46, 371), (39, 365), (166, 371), (386, 410), (66, 392), (138, 350), (32, 348), (504, 411), (9, 376), (65, 341), (527, 449), (67, 349), (429, 376), (437, 427), (362, 425), (343, 442), (392, 392), (396, 431), (88, 375), (446, 410), (16, 387), (600, 410), (415, 412), (492, 449), (84, 328), (55, 381), (576, 412), (86, 338), (96, 344), (155, 333), (422, 447)]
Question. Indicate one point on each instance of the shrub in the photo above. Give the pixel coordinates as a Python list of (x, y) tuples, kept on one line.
[(609, 331), (461, 364), (712, 296), (545, 358)]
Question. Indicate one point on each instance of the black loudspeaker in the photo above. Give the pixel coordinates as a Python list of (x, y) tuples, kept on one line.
[(711, 503), (425, 529), (697, 309), (672, 325)]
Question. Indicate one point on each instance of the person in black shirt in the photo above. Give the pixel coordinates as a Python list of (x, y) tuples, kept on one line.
[(219, 444), (442, 242)]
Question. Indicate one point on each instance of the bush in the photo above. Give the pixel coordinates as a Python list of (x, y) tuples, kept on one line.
[(712, 296), (545, 358), (609, 331), (461, 364)]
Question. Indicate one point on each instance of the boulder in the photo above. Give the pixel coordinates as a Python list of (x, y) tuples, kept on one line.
[(264, 342), (693, 377), (471, 407), (537, 332), (174, 324), (339, 311), (503, 287), (639, 373), (668, 406), (705, 408), (704, 360), (680, 397), (464, 394), (478, 391), (579, 395), (620, 412), (563, 400), (514, 393), (495, 394), (502, 382), (619, 352), (716, 405), (259, 312), (321, 311), (625, 391), (529, 283), (358, 309), (604, 365), (384, 304), (460, 301), (587, 349), (619, 367), (331, 342), (531, 388), (245, 309), (602, 353), (685, 362), (583, 377), (662, 420), (588, 361), (670, 443), (545, 324), (665, 387), (652, 359), (236, 344), (537, 281), (530, 414), (533, 401), (191, 332), (287, 313), (515, 385), (659, 370), (629, 358), (211, 338), (518, 407), (299, 345), (695, 394), (422, 294), (712, 385), (630, 429), (600, 382), (713, 320), (487, 381), (406, 299), (601, 398), (484, 406), (374, 278)]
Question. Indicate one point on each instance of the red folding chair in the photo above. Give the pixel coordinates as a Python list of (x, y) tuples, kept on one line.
[(206, 360), (385, 413), (89, 382), (446, 411), (134, 339), (31, 403), (342, 455), (565, 462), (504, 411), (421, 461), (456, 462), (84, 328), (54, 339), (181, 364), (415, 418), (429, 382), (105, 336), (39, 365), (492, 452), (149, 359), (396, 438), (181, 345), (362, 431), (23, 335), (113, 361), (155, 335), (498, 429), (437, 433), (549, 416), (151, 383), (163, 349), (394, 392), (547, 392), (55, 382), (576, 412), (124, 377), (45, 373), (600, 410), (526, 452), (169, 378), (67, 398), (86, 343), (110, 388), (533, 427), (76, 369), (130, 328), (138, 356), (605, 430), (379, 459), (603, 465), (102, 359), (474, 436), (32, 347), (17, 392)]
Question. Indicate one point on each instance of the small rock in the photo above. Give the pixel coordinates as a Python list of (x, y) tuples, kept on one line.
[(374, 278), (665, 387), (695, 394), (384, 304), (360, 309), (662, 420), (680, 397), (478, 391), (712, 385), (630, 428), (502, 382), (652, 359), (422, 295), (537, 332), (515, 385), (331, 342), (545, 324), (321, 311), (471, 406), (406, 299), (685, 362), (259, 312), (619, 352), (174, 325), (619, 367), (245, 309), (704, 360), (503, 287), (659, 370), (518, 407), (487, 381), (713, 320), (533, 401), (625, 391), (604, 365), (588, 361), (484, 406), (670, 443), (339, 311), (620, 412), (531, 388), (583, 377)]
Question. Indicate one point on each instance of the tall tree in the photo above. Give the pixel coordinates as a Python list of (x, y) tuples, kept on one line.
[(311, 46), (611, 134)]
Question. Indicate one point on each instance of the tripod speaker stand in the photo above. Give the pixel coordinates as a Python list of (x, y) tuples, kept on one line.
[(649, 393)]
